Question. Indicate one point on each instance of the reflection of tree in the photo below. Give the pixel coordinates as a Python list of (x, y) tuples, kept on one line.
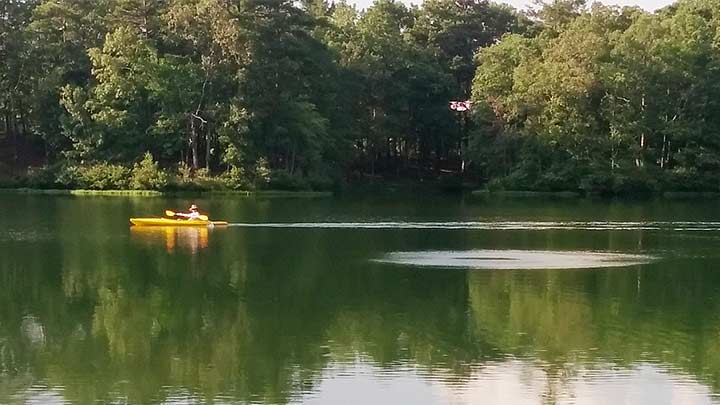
[(231, 322), (191, 238), (258, 318), (582, 318)]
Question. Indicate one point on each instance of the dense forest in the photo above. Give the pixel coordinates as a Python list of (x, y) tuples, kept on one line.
[(242, 94)]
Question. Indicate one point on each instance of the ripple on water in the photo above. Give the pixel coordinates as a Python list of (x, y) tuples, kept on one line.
[(680, 226), (26, 235), (514, 259)]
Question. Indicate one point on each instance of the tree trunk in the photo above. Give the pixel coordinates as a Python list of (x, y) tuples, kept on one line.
[(207, 150), (15, 138), (663, 152), (639, 161), (286, 157), (292, 158), (194, 144)]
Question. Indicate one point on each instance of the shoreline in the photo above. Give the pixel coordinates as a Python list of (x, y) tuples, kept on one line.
[(155, 193), (670, 195)]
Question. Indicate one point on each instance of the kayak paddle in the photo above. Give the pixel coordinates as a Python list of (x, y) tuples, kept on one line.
[(172, 214)]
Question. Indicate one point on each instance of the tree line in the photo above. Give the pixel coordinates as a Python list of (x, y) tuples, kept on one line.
[(603, 99), (566, 95)]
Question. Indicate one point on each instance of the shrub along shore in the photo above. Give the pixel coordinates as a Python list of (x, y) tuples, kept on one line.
[(148, 178), (155, 193)]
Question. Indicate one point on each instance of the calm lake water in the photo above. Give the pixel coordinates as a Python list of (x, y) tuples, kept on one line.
[(414, 300)]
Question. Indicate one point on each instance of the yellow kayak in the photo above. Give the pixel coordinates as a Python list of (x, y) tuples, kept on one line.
[(174, 222)]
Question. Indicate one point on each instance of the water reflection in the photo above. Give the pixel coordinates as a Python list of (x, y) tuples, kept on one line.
[(276, 330), (514, 259), (192, 239), (674, 226), (514, 381), (41, 395), (273, 315)]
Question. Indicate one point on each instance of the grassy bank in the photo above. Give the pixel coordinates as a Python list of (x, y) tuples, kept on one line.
[(154, 193), (268, 193), (528, 194), (362, 191), (671, 195)]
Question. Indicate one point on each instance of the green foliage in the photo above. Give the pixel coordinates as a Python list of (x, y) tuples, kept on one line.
[(299, 86), (282, 180), (188, 179), (571, 97), (322, 181), (98, 176), (147, 175), (203, 180), (262, 172), (235, 179), (44, 177), (607, 100)]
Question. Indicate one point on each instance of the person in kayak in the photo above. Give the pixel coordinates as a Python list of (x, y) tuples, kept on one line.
[(193, 214)]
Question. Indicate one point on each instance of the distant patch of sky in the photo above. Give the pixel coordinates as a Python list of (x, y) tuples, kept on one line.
[(650, 5)]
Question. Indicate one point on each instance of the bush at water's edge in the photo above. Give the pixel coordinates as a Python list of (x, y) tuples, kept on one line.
[(148, 175)]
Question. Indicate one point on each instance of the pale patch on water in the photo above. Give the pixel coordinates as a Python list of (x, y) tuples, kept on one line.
[(686, 226), (514, 259), (514, 381), (25, 235), (42, 395), (33, 330)]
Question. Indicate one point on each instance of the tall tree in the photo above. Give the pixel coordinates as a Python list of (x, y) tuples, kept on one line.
[(15, 91), (62, 32), (113, 119), (216, 47), (456, 30), (286, 85)]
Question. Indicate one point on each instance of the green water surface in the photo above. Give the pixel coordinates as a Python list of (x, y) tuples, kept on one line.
[(304, 306)]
